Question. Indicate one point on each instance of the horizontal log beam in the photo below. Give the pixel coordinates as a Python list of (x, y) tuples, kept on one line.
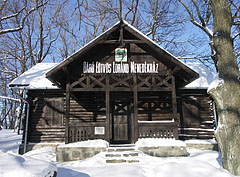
[(124, 41)]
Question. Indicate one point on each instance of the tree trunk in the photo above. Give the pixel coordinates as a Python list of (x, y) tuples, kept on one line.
[(226, 96)]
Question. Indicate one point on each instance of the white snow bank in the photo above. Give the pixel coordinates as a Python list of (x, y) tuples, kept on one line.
[(191, 168), (12, 164), (21, 166), (9, 141), (156, 142), (35, 77), (88, 143), (215, 83), (198, 164), (46, 153), (206, 76), (196, 141)]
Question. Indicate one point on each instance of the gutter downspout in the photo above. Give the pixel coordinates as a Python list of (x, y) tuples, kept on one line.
[(26, 129), (215, 114), (27, 117)]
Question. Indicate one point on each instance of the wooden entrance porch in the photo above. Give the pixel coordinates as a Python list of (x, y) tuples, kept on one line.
[(134, 106)]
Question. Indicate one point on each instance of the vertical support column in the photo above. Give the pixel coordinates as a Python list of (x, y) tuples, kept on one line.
[(67, 113), (174, 99), (135, 110), (107, 97), (174, 104)]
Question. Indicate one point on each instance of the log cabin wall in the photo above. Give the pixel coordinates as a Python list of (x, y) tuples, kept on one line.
[(196, 114), (155, 106), (88, 110), (46, 116)]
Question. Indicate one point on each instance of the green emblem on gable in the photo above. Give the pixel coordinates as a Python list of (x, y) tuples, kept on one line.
[(121, 55)]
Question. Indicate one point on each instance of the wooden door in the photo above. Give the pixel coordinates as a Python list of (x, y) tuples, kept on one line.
[(120, 122)]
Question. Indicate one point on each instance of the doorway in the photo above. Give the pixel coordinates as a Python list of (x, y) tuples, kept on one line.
[(121, 105)]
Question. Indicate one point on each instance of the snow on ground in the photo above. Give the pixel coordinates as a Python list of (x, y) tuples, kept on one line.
[(198, 164), (12, 164), (9, 141)]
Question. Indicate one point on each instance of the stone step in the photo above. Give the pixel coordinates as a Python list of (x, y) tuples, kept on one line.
[(122, 154), (132, 154), (111, 149), (113, 155), (121, 161)]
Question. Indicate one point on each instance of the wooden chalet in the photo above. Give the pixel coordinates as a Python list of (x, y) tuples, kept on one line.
[(119, 87)]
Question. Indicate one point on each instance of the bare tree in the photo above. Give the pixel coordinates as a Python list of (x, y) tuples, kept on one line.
[(21, 49)]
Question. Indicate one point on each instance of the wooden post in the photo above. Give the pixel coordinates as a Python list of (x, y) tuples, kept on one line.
[(107, 97), (174, 100), (121, 36), (67, 113), (135, 110)]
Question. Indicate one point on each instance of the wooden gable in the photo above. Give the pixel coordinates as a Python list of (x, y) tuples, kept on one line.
[(140, 49)]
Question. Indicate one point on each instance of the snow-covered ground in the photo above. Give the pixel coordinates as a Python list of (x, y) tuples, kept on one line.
[(38, 162)]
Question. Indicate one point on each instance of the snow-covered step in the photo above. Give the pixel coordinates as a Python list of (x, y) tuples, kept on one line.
[(122, 161), (122, 155), (120, 149)]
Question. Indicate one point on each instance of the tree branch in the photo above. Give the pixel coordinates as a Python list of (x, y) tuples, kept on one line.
[(3, 5), (9, 98), (199, 14), (203, 26), (23, 20)]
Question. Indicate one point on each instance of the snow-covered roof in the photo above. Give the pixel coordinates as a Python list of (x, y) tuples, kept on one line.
[(35, 77), (206, 75)]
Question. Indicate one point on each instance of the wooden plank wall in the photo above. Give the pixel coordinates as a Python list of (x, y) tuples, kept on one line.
[(46, 117), (87, 111), (155, 106), (87, 107), (196, 115), (47, 113)]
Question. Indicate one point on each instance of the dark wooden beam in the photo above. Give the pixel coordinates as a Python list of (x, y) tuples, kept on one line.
[(108, 130), (174, 100), (135, 110), (67, 113), (121, 37), (122, 89), (126, 41)]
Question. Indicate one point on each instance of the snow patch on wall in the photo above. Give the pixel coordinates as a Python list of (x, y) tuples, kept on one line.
[(88, 143), (156, 142), (199, 141)]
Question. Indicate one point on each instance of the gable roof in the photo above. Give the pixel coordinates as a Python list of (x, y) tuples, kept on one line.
[(184, 75)]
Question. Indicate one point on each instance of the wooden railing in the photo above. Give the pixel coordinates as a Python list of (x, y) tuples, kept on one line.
[(84, 131), (158, 129)]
